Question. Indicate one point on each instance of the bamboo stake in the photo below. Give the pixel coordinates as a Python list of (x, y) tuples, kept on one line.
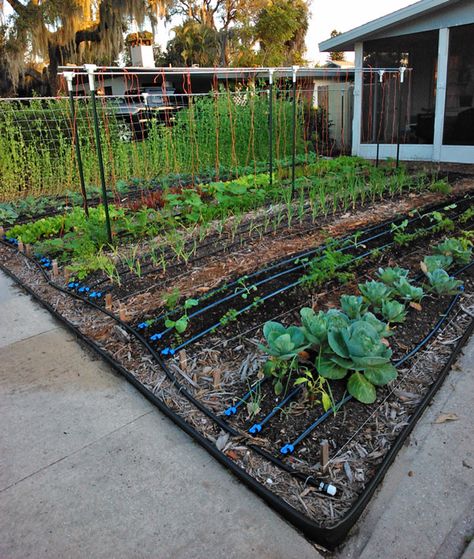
[(324, 455)]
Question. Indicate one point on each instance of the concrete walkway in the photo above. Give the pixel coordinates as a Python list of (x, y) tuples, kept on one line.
[(88, 468)]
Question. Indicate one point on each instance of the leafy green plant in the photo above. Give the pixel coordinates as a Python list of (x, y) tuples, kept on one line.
[(353, 306), (391, 275), (284, 345), (381, 327), (408, 292), (314, 326), (459, 249), (181, 324), (318, 388), (229, 316), (393, 311), (375, 292), (441, 186), (432, 263), (442, 283), (358, 348), (171, 299), (246, 290)]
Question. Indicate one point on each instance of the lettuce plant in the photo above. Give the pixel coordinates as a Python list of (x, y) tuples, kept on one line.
[(391, 275), (353, 306), (442, 283), (432, 263), (393, 311), (358, 348), (408, 292), (459, 249), (375, 292)]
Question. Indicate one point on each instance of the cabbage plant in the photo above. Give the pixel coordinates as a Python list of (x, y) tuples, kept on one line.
[(358, 348), (432, 263), (393, 311), (389, 276), (315, 326), (283, 343), (459, 249), (408, 292), (442, 283), (375, 292), (381, 327), (353, 306)]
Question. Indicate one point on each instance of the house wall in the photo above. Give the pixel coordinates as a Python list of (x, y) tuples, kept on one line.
[(458, 13)]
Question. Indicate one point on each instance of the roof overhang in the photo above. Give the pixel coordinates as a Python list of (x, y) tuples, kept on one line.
[(346, 41)]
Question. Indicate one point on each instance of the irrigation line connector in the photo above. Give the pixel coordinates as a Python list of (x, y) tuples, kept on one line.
[(402, 74), (381, 73)]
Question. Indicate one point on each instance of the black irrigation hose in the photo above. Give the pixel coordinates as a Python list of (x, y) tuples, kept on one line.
[(292, 259), (181, 388), (229, 247), (329, 537)]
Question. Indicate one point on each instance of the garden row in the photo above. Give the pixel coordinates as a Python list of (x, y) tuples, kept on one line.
[(319, 338)]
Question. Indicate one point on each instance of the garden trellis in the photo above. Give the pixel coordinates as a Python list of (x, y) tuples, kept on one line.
[(246, 119)]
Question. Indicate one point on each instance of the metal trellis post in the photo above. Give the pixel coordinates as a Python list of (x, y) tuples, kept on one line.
[(270, 125), (69, 76), (402, 73), (293, 157), (90, 69), (379, 120)]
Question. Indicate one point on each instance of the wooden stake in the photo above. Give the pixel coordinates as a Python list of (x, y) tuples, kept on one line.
[(55, 269), (123, 314), (67, 275), (28, 250), (21, 246), (2, 231), (108, 301), (217, 378), (324, 455)]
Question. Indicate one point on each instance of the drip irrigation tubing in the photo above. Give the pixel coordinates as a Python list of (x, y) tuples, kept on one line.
[(289, 447), (290, 260), (171, 377), (173, 350), (330, 537)]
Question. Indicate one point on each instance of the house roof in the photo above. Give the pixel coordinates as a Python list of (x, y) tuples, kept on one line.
[(346, 41)]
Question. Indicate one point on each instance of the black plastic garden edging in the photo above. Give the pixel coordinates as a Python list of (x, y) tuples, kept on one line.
[(329, 537)]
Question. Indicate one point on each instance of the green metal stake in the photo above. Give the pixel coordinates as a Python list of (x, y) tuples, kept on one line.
[(270, 125), (402, 75), (90, 69), (69, 76), (293, 158)]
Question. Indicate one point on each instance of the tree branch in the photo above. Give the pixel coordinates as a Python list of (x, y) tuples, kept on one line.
[(17, 6)]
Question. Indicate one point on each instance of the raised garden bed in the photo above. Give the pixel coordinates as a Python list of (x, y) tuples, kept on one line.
[(199, 357)]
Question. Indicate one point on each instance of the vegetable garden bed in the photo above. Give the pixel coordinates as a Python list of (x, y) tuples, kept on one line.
[(219, 343)]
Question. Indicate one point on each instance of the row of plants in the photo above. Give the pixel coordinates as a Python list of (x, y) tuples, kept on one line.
[(138, 192), (37, 153), (353, 339), (336, 259)]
